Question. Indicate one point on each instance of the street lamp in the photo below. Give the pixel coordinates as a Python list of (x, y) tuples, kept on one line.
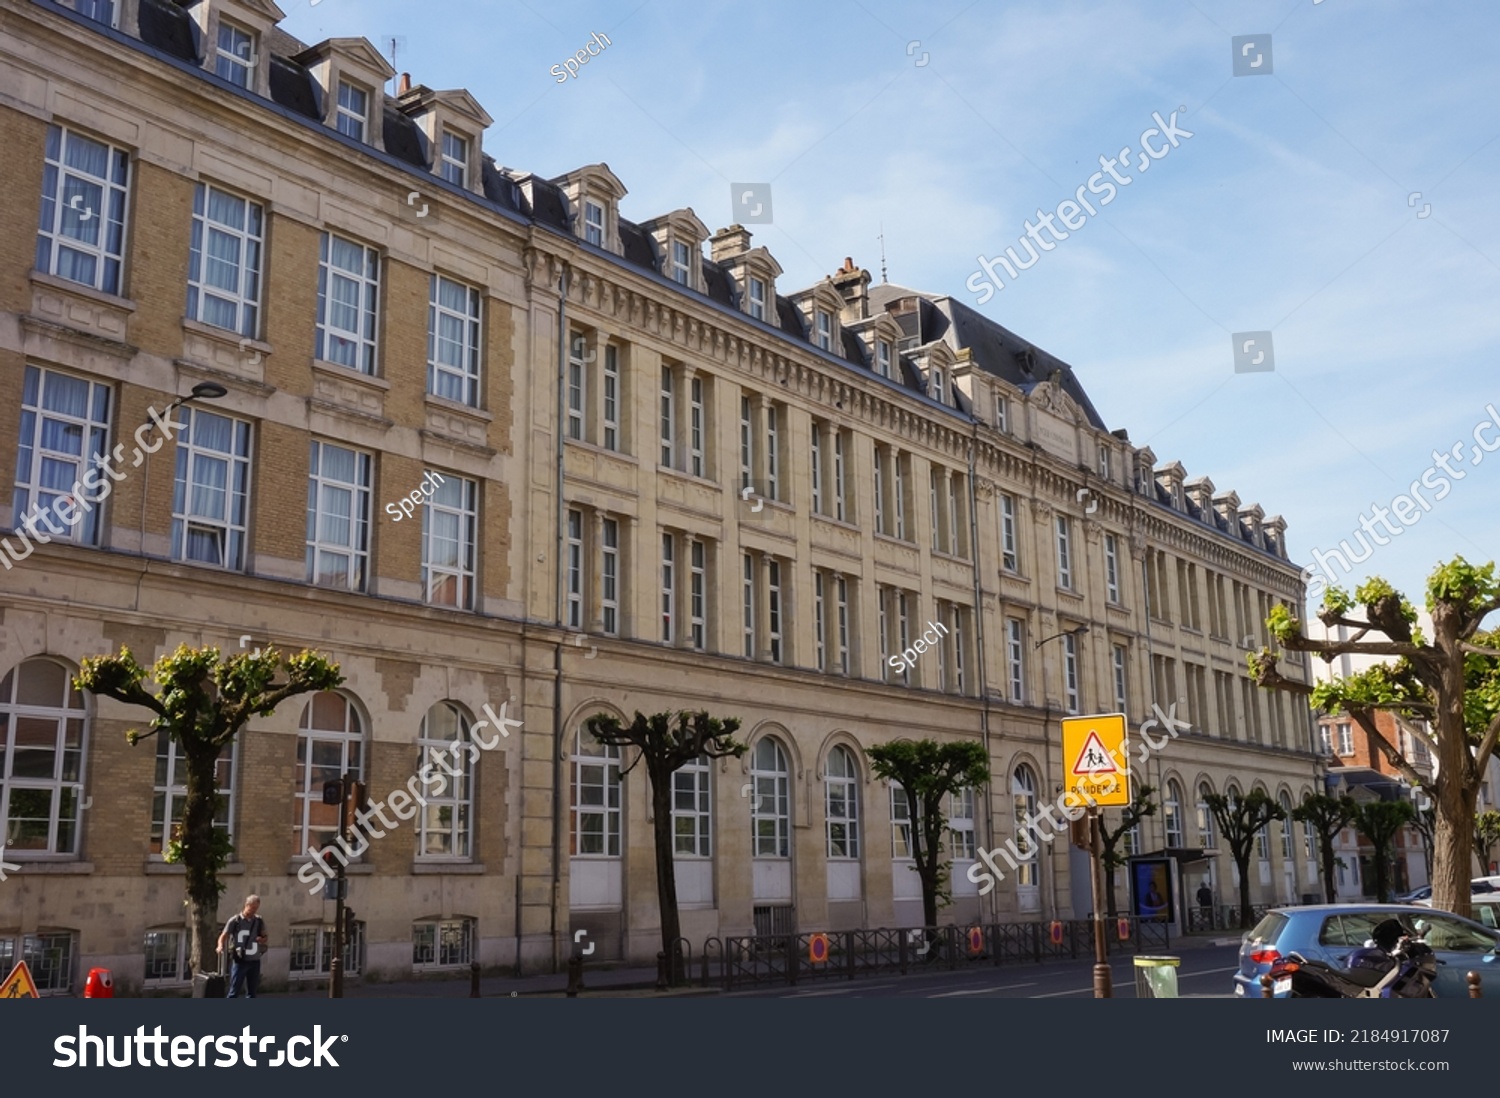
[(204, 390), (1076, 631)]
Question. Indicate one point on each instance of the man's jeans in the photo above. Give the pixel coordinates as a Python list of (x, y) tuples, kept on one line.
[(246, 975)]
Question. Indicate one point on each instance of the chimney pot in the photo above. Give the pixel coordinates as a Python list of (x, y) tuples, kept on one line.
[(405, 85)]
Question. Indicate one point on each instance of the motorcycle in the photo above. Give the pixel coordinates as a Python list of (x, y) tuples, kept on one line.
[(1394, 964)]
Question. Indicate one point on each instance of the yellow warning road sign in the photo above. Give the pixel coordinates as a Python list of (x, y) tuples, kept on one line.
[(1094, 754), (19, 984)]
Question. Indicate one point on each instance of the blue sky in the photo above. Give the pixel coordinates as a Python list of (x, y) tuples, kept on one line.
[(1288, 210)]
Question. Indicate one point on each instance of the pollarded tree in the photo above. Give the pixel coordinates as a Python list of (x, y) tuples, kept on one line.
[(1141, 805), (668, 742), (929, 772), (1379, 821), (1445, 693), (1327, 816), (1240, 820), (203, 702), (1486, 836)]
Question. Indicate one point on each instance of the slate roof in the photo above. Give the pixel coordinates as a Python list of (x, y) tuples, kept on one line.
[(166, 27)]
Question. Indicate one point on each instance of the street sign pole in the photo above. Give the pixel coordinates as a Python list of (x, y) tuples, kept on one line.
[(1102, 985)]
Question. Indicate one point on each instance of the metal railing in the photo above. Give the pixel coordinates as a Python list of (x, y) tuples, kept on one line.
[(1221, 917)]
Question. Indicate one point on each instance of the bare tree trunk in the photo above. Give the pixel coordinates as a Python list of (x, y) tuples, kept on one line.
[(1243, 864), (1325, 854), (666, 868), (202, 877)]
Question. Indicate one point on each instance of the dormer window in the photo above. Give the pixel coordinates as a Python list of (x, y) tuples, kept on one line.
[(454, 165), (939, 389), (353, 110), (1002, 413), (593, 223), (101, 11), (883, 358), (758, 298), (1104, 463), (680, 269), (235, 58), (825, 330)]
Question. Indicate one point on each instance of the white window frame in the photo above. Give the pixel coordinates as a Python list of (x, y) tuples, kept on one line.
[(611, 399), (37, 464), (100, 11), (1112, 568), (448, 815), (692, 809), (1172, 816), (192, 497), (574, 598), (961, 834), (695, 426), (681, 271), (1023, 789), (1015, 641), (841, 803), (1064, 553), (356, 547), (1288, 848), (1346, 739), (320, 950), (840, 486), (455, 501), (170, 787), (747, 438), (903, 631), (1118, 662), (609, 577), (1071, 685), (230, 63), (1010, 558), (956, 614), (841, 608), (900, 493), (668, 587), (955, 542), (593, 223), (820, 621), (444, 374), (698, 593), (748, 605), (589, 755), (90, 234), (883, 358), (879, 490), (453, 159), (668, 417), (937, 385), (773, 608), (773, 450), (1002, 413), (307, 792), (1104, 462), (901, 837), (208, 291), (337, 342), (770, 775), (757, 298), (174, 939), (824, 323), (578, 387), (348, 120), (63, 786), (1205, 820), (817, 468), (451, 944)]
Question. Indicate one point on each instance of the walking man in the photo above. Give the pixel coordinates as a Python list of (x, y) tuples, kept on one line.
[(246, 935), (1206, 902)]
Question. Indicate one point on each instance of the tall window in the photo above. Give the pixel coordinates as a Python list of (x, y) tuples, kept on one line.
[(773, 453), (1104, 462), (1112, 567), (746, 437), (1002, 413), (747, 593), (771, 810), (668, 586), (64, 434), (841, 612), (840, 493), (939, 386), (698, 593), (681, 272), (820, 620), (596, 798), (611, 400), (609, 574), (900, 494), (224, 266), (1172, 816), (903, 630), (825, 331), (353, 109), (1117, 665), (691, 816), (1070, 673), (816, 457), (1064, 552), (1015, 659), (962, 846), (695, 426), (577, 386), (81, 231), (445, 827), (880, 527), (45, 727), (1023, 801), (234, 57), (842, 782), (453, 341), (773, 599), (882, 358), (900, 823), (668, 416), (169, 793), (593, 223), (757, 298), (1205, 818), (450, 522), (1286, 827), (1009, 558), (455, 162), (575, 569), (210, 497), (348, 302), (330, 743), (1346, 738), (338, 516)]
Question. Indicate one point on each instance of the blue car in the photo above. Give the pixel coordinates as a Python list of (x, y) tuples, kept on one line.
[(1329, 932)]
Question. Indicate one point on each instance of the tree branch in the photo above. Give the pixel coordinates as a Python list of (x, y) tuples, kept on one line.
[(1362, 716)]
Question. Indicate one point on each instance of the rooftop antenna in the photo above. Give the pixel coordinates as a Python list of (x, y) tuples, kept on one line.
[(395, 41), (881, 238)]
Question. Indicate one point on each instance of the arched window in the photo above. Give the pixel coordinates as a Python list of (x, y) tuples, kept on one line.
[(691, 809), (1263, 841), (596, 797), (45, 728), (445, 828), (843, 804), (1205, 817), (1023, 796), (771, 812), (1285, 801), (1172, 815), (330, 742), (900, 823)]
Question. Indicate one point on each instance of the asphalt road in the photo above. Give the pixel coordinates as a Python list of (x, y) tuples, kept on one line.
[(1205, 972)]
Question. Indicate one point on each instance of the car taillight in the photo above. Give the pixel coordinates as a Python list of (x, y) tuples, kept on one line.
[(1265, 956)]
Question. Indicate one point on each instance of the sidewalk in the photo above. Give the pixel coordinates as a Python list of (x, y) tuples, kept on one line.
[(614, 980)]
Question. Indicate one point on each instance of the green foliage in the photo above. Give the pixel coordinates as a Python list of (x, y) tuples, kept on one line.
[(1282, 625), (1460, 582), (1376, 590), (1336, 602), (1379, 821), (219, 852), (1141, 806), (1328, 815), (1486, 835), (670, 739), (1239, 818)]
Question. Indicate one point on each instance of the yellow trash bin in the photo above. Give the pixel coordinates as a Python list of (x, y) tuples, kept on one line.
[(1156, 977)]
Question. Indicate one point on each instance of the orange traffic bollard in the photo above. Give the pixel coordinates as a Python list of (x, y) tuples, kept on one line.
[(100, 984)]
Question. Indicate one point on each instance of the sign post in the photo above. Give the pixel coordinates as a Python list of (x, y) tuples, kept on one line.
[(1094, 754)]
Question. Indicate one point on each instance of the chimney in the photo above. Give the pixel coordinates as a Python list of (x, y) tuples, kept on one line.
[(729, 244), (405, 85), (853, 285)]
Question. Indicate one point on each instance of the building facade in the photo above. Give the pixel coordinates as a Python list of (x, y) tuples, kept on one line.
[(487, 442)]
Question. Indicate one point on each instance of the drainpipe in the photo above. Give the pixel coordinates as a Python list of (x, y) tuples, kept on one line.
[(984, 688), (559, 553)]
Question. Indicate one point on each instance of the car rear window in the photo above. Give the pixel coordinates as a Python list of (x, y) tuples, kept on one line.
[(1352, 929), (1269, 928)]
